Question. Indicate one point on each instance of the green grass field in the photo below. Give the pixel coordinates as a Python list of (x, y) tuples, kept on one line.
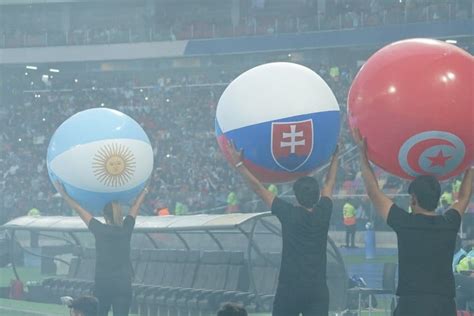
[(14, 307), (23, 308), (26, 274)]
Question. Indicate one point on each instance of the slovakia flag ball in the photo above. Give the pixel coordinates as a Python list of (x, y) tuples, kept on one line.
[(285, 118)]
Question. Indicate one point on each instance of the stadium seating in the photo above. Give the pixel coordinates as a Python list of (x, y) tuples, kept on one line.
[(169, 269), (79, 280), (152, 274), (265, 271), (139, 268), (177, 282), (210, 283)]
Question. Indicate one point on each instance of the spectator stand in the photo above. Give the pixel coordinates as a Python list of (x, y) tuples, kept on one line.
[(238, 257), (40, 24)]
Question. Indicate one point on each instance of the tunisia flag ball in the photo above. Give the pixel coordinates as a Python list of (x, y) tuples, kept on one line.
[(413, 102)]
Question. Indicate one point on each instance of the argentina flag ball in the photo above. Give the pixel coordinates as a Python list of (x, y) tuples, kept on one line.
[(100, 155), (285, 118)]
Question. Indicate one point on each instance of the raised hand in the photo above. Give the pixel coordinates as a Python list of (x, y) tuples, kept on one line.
[(236, 156), (359, 140), (362, 145)]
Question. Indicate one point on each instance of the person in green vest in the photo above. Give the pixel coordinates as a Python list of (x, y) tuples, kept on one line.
[(349, 214), (464, 279), (334, 72), (445, 202), (466, 265), (232, 202), (273, 189), (455, 186), (34, 236), (34, 212), (447, 197), (181, 209)]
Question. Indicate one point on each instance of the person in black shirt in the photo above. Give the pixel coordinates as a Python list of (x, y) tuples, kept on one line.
[(426, 241), (113, 269), (302, 284)]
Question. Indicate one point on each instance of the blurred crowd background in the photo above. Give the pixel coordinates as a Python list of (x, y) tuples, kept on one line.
[(175, 100), (162, 20)]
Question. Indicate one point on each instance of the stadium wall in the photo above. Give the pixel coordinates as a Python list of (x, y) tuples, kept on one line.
[(339, 38), (284, 42), (59, 54)]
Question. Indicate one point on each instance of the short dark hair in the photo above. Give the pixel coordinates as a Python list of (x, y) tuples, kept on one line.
[(232, 309), (87, 305), (306, 191), (427, 191)]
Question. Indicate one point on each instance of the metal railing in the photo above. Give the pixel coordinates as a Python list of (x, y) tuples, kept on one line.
[(251, 26)]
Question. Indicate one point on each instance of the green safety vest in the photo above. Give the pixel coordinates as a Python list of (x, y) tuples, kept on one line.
[(349, 210), (448, 197), (180, 209), (273, 189), (232, 199), (456, 186), (34, 212), (349, 213), (466, 264), (334, 72)]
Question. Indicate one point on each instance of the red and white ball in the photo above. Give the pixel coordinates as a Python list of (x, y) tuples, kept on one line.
[(413, 101)]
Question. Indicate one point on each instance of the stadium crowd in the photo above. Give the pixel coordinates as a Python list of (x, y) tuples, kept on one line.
[(177, 110), (178, 117), (170, 21)]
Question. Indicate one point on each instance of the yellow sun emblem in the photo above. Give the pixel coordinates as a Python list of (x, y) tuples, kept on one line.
[(114, 165)]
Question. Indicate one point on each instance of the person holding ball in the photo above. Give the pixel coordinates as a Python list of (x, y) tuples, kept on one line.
[(302, 284), (426, 241), (113, 271)]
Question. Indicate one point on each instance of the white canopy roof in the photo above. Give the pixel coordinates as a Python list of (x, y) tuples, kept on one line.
[(143, 223)]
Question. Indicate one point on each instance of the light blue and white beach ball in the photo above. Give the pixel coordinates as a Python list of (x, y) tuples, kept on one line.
[(100, 155)]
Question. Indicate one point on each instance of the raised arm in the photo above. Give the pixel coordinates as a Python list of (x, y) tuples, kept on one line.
[(381, 202), (135, 209), (331, 175), (83, 213), (465, 192), (250, 179)]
